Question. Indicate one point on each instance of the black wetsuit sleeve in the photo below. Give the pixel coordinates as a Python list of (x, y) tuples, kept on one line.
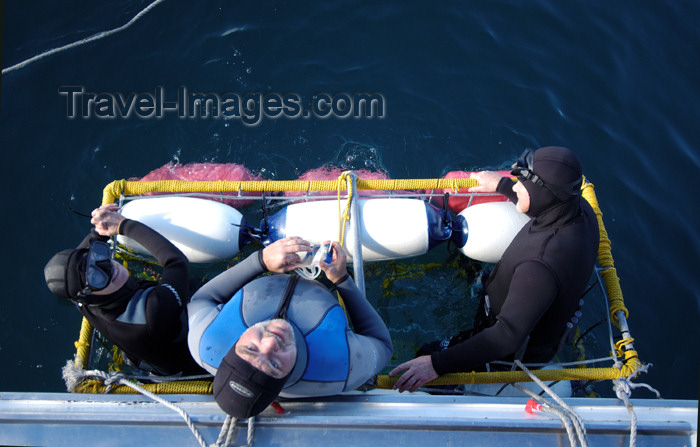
[(505, 187), (365, 319), (166, 301), (532, 290)]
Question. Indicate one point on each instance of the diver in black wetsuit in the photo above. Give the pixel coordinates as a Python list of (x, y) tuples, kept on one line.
[(535, 288), (145, 319)]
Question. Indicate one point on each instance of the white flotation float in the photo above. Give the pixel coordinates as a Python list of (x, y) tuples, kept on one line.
[(391, 228), (204, 230), (396, 228), (484, 231)]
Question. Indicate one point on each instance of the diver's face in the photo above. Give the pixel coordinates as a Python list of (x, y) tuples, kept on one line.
[(269, 346), (523, 204), (119, 276)]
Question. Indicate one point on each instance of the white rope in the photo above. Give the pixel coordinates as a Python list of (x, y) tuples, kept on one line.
[(623, 390), (557, 399), (251, 431), (92, 38), (116, 378), (565, 420), (228, 434), (73, 376), (568, 411), (547, 408), (631, 385), (224, 431), (623, 387)]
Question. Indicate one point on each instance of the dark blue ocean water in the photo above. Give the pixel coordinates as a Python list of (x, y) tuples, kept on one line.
[(466, 86)]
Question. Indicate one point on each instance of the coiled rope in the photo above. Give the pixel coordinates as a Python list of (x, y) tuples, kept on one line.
[(92, 38), (74, 375), (71, 374)]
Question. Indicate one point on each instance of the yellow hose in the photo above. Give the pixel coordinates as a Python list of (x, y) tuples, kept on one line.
[(131, 188), (605, 259), (583, 374)]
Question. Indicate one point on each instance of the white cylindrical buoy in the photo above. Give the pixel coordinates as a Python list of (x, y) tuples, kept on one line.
[(391, 228), (484, 231), (204, 230)]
